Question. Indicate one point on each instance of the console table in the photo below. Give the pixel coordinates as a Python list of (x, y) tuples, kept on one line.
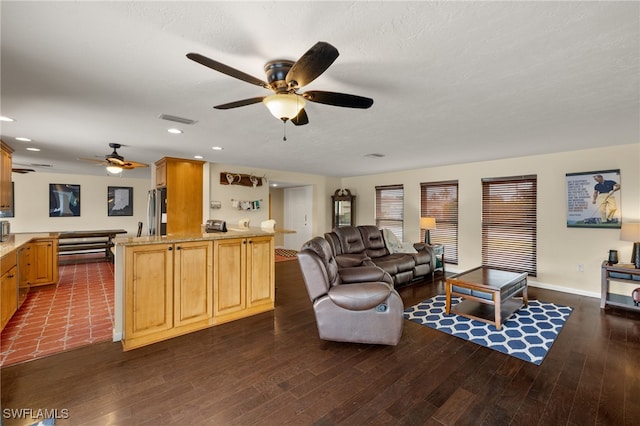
[(623, 272), (86, 242)]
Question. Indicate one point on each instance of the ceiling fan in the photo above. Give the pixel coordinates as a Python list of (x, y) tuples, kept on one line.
[(115, 162), (284, 78)]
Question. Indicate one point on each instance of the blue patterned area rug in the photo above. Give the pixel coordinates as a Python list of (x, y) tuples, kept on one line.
[(528, 334)]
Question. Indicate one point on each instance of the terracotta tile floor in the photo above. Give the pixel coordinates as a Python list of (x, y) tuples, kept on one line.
[(77, 312)]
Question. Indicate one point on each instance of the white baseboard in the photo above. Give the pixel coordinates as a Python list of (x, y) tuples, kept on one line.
[(117, 336)]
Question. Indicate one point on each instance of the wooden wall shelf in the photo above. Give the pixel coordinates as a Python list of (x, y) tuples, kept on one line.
[(227, 178)]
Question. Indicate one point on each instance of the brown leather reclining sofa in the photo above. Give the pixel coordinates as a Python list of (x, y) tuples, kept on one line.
[(365, 245)]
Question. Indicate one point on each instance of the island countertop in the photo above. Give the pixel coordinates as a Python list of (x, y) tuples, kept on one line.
[(178, 238)]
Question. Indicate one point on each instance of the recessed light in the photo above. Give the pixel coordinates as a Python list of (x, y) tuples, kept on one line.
[(20, 138), (198, 157), (3, 118), (174, 131), (217, 148), (33, 149)]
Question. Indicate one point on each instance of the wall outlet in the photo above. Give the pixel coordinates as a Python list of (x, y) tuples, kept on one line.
[(580, 267)]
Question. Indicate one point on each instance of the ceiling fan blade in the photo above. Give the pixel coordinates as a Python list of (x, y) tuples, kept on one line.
[(101, 162), (133, 165), (241, 103), (338, 99), (22, 171), (225, 69), (301, 118), (116, 161), (310, 65)]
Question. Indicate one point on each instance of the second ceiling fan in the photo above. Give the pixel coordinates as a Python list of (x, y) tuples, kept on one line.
[(284, 78)]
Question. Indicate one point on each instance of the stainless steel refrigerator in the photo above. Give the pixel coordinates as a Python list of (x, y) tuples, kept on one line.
[(157, 212)]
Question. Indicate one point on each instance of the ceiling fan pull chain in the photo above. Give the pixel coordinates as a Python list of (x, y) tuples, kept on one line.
[(284, 130)]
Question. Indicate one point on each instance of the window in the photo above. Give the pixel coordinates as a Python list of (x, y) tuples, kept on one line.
[(440, 200), (390, 208), (509, 223)]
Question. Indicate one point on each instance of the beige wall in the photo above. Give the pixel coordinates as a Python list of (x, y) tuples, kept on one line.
[(276, 209), (323, 188), (560, 249), (32, 203)]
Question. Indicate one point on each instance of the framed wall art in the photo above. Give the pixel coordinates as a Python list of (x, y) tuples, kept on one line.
[(593, 199), (64, 200), (120, 201)]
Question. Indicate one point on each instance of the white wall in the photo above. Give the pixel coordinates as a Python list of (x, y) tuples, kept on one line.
[(31, 203), (560, 249)]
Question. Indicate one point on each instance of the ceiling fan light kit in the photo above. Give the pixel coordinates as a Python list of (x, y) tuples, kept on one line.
[(114, 170), (284, 106)]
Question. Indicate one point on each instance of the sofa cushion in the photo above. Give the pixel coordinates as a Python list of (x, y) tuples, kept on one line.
[(373, 242), (402, 261), (350, 239)]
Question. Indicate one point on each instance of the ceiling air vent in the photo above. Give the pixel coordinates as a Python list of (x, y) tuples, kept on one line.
[(176, 119), (375, 155)]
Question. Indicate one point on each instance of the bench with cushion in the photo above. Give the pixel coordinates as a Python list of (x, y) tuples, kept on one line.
[(365, 245)]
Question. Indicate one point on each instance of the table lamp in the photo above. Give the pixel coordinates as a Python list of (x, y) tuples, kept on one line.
[(631, 232), (427, 223)]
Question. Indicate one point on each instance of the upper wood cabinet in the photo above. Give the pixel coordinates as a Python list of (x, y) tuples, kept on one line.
[(6, 195), (183, 180)]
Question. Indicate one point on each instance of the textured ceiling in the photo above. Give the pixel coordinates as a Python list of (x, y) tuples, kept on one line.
[(452, 82)]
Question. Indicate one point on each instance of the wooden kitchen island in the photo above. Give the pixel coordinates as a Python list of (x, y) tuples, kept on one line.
[(177, 284)]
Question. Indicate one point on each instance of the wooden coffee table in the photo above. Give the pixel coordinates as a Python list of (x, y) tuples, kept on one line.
[(488, 294)]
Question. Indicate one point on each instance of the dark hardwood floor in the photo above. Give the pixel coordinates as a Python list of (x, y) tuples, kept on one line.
[(272, 369)]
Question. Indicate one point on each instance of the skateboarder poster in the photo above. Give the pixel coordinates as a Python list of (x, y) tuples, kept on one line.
[(593, 199)]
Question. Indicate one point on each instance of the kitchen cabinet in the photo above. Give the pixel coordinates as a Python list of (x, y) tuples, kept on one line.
[(43, 262), (24, 271), (6, 192), (244, 282), (8, 288), (168, 291), (183, 181)]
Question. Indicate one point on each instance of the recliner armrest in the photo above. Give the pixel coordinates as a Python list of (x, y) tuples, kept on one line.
[(361, 296), (352, 260)]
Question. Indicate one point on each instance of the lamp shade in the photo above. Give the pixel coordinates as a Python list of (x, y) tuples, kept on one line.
[(114, 169), (630, 232), (427, 223), (284, 106)]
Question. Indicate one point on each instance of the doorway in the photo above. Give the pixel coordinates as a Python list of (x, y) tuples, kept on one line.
[(298, 207)]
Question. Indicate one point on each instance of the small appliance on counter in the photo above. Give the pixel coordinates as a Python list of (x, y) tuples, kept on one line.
[(5, 230), (215, 225)]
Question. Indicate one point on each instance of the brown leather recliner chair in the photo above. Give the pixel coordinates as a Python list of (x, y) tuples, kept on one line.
[(355, 304)]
